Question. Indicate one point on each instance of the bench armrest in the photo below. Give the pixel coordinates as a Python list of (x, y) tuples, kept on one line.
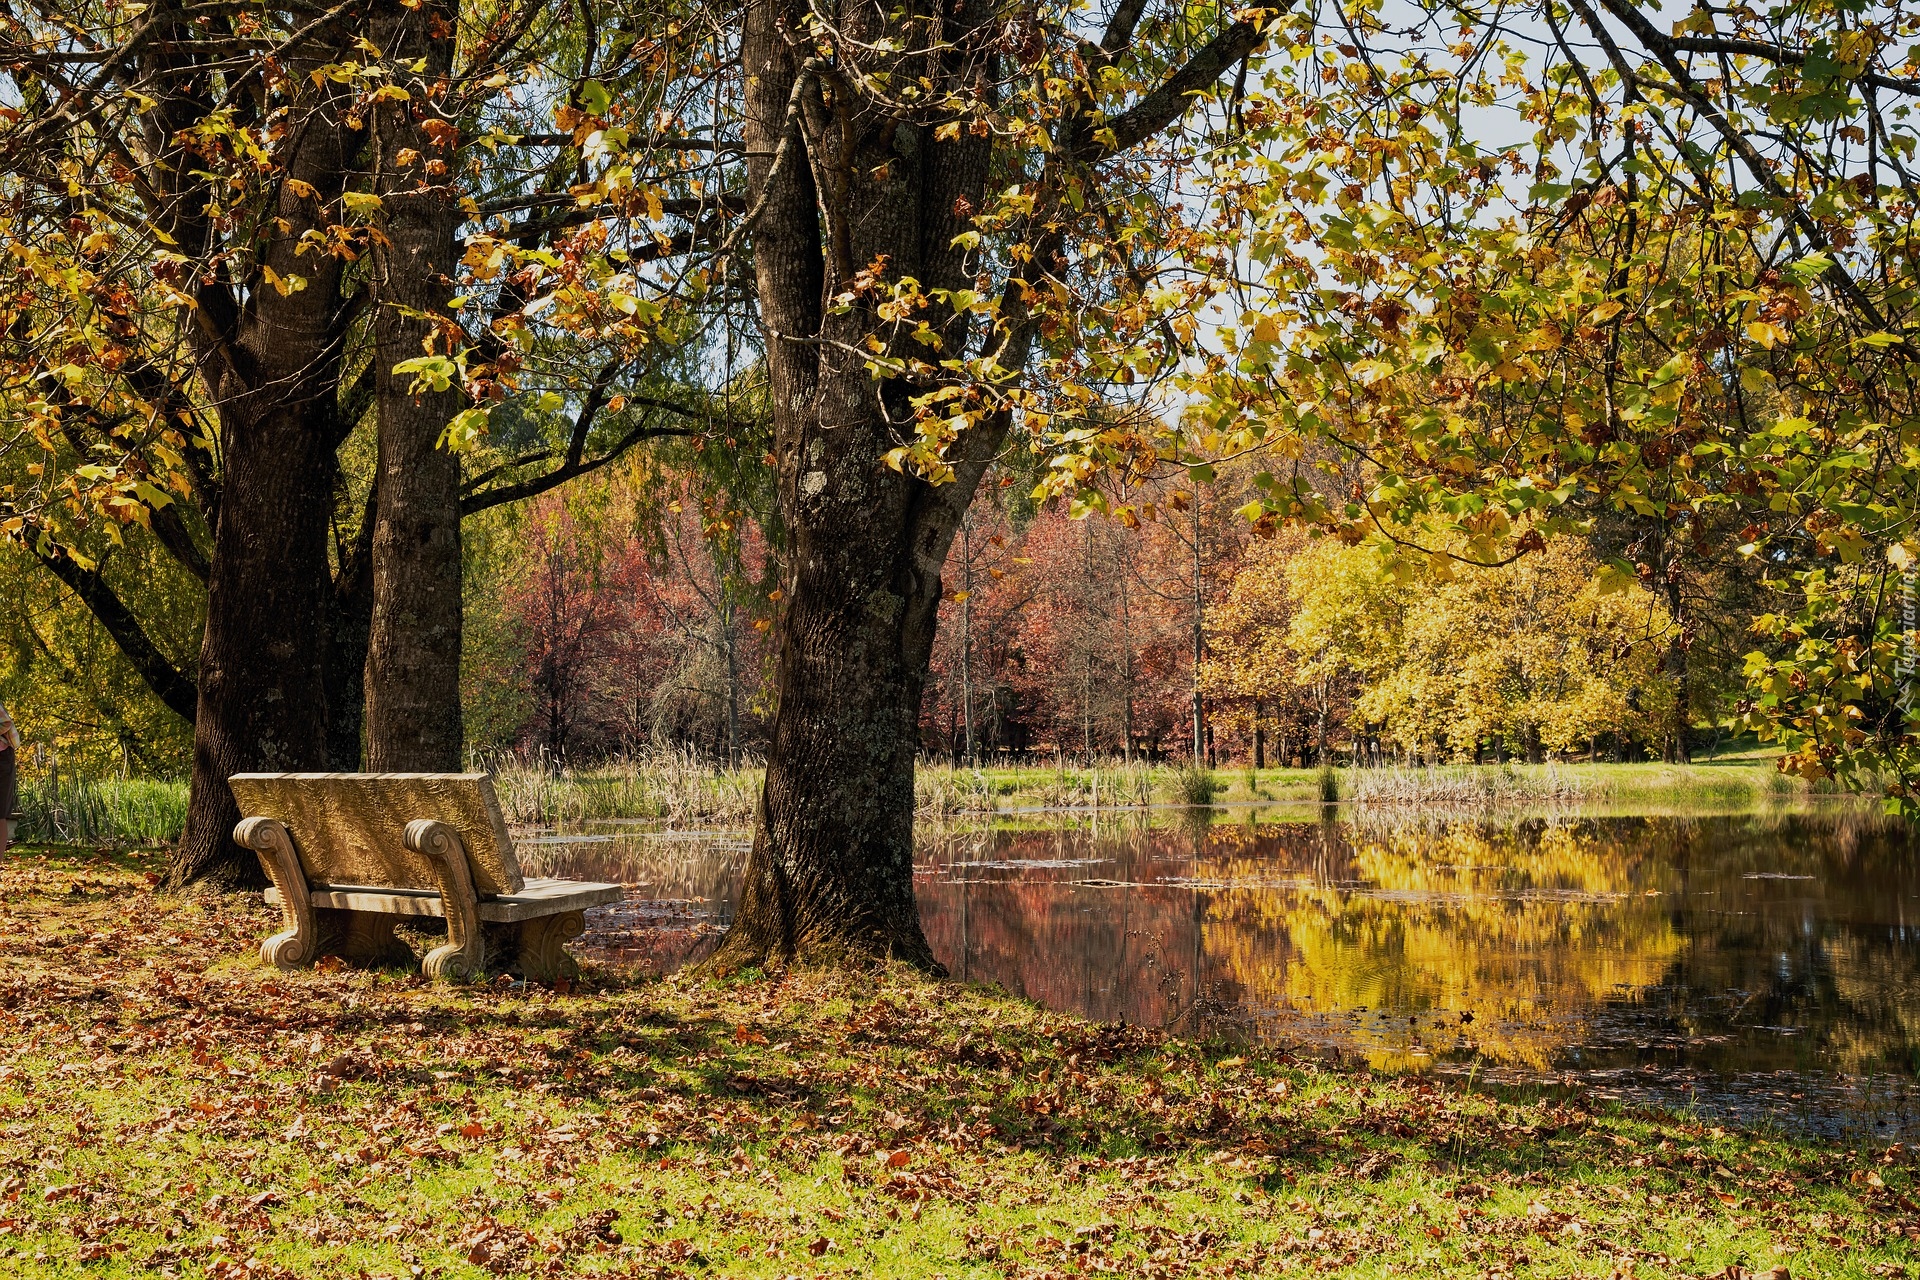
[(295, 945), (464, 955)]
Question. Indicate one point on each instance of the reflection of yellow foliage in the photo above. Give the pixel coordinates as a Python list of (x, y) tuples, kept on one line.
[(1882, 986), (1524, 928)]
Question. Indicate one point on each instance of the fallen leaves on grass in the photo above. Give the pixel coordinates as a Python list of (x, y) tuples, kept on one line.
[(167, 1104)]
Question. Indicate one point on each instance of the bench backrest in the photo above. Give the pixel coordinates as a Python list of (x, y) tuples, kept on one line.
[(348, 827)]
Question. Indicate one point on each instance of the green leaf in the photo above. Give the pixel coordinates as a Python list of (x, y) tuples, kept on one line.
[(152, 495), (464, 429), (1811, 267), (593, 97), (430, 372)]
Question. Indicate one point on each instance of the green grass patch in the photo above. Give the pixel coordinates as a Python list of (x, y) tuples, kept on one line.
[(168, 1107), (68, 808)]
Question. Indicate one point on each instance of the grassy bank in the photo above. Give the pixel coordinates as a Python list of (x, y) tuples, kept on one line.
[(1738, 781), (173, 1110), (682, 789)]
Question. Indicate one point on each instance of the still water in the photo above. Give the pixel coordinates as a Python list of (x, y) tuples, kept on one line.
[(1758, 967)]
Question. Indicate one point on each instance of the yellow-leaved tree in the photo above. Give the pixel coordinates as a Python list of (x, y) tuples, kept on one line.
[(1549, 654)]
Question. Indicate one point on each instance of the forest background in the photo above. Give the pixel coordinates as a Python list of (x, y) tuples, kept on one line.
[(1346, 426), (632, 614)]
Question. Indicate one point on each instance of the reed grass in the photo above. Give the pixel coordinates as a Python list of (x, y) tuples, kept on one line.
[(670, 785), (1484, 786), (68, 808), (944, 791), (1197, 784), (1463, 784)]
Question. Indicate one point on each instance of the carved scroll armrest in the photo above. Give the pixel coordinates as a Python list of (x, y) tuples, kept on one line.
[(294, 947), (464, 954)]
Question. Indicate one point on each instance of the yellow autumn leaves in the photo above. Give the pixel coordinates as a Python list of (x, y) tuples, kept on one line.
[(1548, 652)]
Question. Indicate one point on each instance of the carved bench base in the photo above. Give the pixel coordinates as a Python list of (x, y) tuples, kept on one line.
[(539, 945), (361, 938), (527, 932)]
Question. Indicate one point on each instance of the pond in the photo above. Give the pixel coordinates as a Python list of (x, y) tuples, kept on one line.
[(1756, 966)]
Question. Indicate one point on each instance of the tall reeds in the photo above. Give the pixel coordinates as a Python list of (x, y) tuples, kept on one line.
[(61, 807), (672, 785), (1465, 785), (1197, 784)]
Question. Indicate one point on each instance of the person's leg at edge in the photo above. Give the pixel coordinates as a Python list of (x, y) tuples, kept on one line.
[(7, 794)]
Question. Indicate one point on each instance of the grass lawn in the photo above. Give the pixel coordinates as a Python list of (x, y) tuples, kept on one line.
[(169, 1108)]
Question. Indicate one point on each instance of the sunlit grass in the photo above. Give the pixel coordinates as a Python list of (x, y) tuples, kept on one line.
[(672, 785)]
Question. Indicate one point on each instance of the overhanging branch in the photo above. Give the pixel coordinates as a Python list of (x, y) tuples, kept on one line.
[(180, 694), (1171, 100)]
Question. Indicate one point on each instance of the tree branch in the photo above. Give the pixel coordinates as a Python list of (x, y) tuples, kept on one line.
[(1120, 30), (180, 694), (171, 532), (1170, 101), (1780, 55), (567, 471)]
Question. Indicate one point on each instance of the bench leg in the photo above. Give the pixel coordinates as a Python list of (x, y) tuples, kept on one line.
[(543, 946), (465, 953), (363, 939), (297, 945)]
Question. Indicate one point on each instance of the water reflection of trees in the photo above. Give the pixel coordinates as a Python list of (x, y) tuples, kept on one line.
[(1706, 935), (1542, 929), (1525, 927)]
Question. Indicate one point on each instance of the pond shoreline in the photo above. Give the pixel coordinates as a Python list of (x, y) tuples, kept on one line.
[(687, 792)]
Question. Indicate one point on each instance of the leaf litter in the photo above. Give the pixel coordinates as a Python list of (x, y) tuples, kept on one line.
[(169, 1108)]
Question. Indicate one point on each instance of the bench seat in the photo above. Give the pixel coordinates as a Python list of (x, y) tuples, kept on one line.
[(538, 897)]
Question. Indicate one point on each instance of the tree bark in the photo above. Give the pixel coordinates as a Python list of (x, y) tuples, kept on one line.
[(262, 663), (851, 196), (350, 629), (413, 649), (271, 363)]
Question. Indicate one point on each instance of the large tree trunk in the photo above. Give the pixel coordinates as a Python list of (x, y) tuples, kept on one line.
[(272, 362), (263, 658), (413, 653), (830, 878)]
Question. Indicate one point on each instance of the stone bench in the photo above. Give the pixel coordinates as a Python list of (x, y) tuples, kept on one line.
[(351, 854)]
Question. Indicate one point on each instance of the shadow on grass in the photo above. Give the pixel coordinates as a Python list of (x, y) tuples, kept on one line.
[(865, 1062)]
